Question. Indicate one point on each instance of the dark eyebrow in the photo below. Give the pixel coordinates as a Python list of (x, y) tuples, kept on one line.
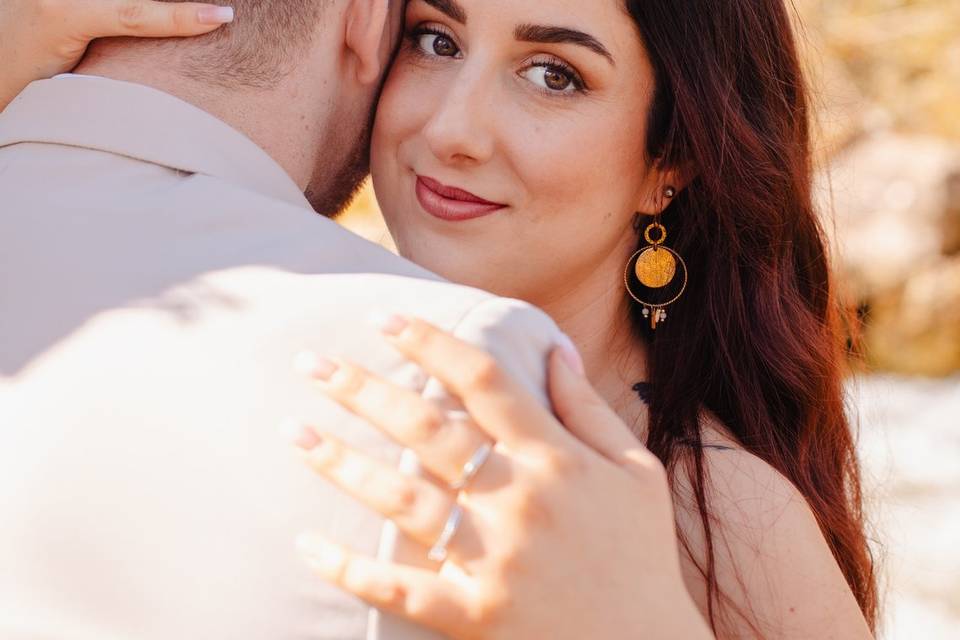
[(451, 8), (559, 35)]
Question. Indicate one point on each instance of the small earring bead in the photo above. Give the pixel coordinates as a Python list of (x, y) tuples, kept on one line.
[(669, 192)]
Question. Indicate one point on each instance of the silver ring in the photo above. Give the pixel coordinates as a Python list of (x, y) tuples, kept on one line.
[(438, 552), (473, 465)]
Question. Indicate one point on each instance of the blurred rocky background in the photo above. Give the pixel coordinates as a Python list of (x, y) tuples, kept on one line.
[(885, 76)]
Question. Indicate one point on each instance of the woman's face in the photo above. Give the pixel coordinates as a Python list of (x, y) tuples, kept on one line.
[(508, 151)]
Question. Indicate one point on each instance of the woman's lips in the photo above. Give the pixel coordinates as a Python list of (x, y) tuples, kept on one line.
[(450, 203)]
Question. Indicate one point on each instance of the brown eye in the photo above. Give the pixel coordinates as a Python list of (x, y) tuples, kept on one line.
[(553, 78), (438, 45), (442, 46), (556, 80)]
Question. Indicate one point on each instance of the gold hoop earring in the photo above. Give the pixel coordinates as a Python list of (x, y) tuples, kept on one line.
[(655, 267)]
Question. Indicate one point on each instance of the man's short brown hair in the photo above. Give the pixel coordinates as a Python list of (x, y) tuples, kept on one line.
[(261, 45)]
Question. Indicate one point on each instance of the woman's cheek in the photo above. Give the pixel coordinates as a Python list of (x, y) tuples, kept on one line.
[(558, 172), (397, 107), (400, 115)]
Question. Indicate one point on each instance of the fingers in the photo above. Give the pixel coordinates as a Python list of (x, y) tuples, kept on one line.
[(585, 414), (498, 405), (416, 505), (442, 442), (588, 417), (419, 595), (149, 19)]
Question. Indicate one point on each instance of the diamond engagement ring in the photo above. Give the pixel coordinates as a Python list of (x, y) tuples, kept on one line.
[(438, 552), (473, 465)]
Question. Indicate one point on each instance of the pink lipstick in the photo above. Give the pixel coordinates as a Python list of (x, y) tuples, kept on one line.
[(451, 203)]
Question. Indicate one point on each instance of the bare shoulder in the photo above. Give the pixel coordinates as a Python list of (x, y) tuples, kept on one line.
[(776, 574)]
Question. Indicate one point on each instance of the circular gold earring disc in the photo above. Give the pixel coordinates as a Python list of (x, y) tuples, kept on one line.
[(656, 268)]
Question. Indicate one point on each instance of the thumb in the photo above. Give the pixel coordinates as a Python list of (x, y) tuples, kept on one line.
[(581, 409), (152, 19)]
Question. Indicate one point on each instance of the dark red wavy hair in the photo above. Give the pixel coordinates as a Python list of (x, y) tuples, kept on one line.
[(757, 338)]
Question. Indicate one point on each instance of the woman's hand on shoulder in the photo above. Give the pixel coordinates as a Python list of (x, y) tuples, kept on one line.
[(776, 574), (41, 38), (539, 524)]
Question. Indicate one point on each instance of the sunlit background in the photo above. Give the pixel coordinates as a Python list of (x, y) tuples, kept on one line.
[(886, 75)]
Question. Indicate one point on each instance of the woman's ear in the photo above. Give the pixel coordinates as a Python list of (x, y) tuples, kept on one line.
[(366, 27), (661, 187)]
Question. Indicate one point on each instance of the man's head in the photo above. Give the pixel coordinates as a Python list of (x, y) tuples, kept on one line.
[(300, 77), (260, 47)]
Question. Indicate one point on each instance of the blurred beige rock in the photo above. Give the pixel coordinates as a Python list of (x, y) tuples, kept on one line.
[(916, 328), (891, 203), (886, 82), (889, 198), (902, 56)]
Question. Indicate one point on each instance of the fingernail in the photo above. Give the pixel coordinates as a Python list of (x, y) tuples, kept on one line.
[(309, 364), (301, 435), (322, 555), (570, 354), (215, 15), (390, 324)]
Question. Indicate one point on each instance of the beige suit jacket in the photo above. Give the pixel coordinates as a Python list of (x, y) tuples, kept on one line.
[(158, 271)]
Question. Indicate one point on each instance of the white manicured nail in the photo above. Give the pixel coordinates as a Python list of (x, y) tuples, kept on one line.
[(388, 323), (300, 434), (309, 364), (324, 556), (215, 15)]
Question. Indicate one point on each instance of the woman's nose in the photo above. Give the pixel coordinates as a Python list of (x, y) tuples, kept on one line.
[(458, 130)]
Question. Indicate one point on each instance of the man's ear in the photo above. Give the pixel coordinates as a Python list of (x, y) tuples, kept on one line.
[(366, 27)]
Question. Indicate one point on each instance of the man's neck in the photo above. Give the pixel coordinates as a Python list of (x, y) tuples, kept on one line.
[(283, 120)]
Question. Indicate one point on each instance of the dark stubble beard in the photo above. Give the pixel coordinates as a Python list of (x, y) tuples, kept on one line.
[(331, 197), (333, 194), (347, 171)]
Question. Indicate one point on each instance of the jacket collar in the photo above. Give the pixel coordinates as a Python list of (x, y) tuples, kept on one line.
[(144, 123)]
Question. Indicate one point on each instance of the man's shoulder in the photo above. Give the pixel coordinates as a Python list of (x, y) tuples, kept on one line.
[(162, 241), (340, 304), (320, 259)]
